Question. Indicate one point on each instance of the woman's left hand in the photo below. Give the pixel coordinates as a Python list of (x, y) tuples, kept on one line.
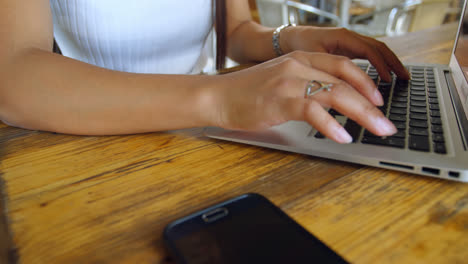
[(340, 41)]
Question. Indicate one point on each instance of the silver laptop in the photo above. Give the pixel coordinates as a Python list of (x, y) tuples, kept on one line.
[(430, 112)]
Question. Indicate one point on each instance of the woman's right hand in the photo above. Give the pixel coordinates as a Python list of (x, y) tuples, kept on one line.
[(274, 92)]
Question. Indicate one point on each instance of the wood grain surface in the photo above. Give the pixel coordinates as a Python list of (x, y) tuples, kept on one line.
[(7, 248), (76, 199)]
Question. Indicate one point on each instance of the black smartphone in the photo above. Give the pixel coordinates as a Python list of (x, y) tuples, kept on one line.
[(246, 229)]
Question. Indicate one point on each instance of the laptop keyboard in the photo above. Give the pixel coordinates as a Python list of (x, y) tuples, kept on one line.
[(413, 107)]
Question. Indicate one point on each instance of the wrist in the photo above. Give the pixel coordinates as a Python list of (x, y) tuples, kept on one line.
[(207, 100), (281, 38), (291, 37)]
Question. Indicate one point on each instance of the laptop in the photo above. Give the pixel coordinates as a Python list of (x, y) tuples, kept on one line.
[(430, 112)]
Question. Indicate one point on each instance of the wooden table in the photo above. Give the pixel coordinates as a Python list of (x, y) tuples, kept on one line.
[(74, 199)]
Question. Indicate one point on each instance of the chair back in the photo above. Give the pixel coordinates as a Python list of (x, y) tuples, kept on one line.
[(274, 13), (396, 17)]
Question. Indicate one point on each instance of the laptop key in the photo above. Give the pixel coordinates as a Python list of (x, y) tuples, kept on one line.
[(420, 143), (418, 98), (401, 87), (333, 112), (436, 121), (440, 148), (400, 99), (400, 111), (421, 110), (385, 84), (399, 105), (400, 134), (433, 101), (434, 106), (395, 117), (418, 131), (418, 103), (383, 109), (433, 95), (395, 142), (400, 125), (400, 93), (437, 129), (319, 135), (435, 113), (362, 65), (416, 92), (367, 133), (418, 123), (389, 141), (418, 116), (353, 128), (438, 137), (418, 88), (417, 75)]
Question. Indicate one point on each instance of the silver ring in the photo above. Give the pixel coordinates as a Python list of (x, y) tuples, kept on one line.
[(314, 87)]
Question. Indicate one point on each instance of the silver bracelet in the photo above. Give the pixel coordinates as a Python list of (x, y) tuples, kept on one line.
[(276, 39)]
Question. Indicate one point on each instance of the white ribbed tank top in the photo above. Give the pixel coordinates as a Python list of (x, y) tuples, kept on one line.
[(141, 36)]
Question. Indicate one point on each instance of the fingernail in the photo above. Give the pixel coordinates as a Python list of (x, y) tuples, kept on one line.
[(378, 98), (385, 127), (342, 136)]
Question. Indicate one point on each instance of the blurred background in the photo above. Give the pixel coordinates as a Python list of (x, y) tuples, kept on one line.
[(376, 18)]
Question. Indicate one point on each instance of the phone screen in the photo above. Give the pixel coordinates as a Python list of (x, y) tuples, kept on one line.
[(252, 230)]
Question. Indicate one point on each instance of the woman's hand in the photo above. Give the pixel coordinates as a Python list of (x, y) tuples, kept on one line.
[(274, 92), (340, 41)]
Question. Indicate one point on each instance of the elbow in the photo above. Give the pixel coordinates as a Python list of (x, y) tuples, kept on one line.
[(13, 105), (9, 106), (18, 89), (15, 112)]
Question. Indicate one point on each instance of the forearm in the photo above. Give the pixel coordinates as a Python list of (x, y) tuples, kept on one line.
[(248, 41), (252, 42), (44, 91)]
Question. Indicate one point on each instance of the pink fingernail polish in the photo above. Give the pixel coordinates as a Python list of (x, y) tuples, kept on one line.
[(385, 127), (378, 98), (342, 136)]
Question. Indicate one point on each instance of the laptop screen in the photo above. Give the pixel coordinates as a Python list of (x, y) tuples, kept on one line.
[(461, 49)]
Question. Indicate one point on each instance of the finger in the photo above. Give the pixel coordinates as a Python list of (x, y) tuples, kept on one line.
[(344, 99), (313, 112), (321, 120), (293, 81), (353, 45), (344, 69), (390, 58), (349, 102)]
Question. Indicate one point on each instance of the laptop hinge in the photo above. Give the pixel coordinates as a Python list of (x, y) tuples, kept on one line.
[(458, 108)]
